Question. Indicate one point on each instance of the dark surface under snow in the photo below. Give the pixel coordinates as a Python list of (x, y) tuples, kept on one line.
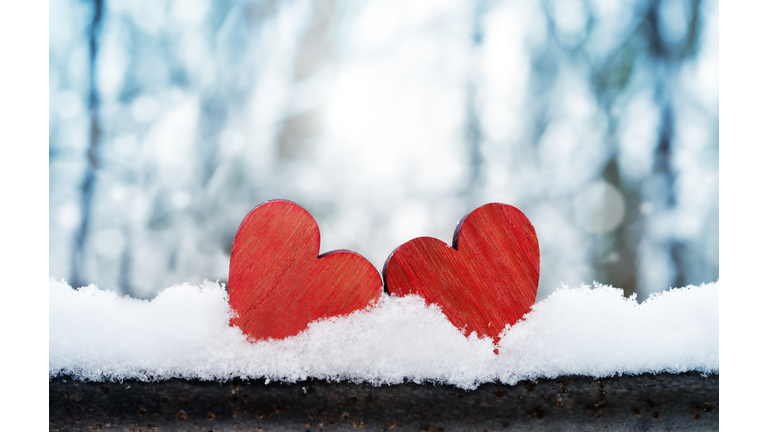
[(686, 401)]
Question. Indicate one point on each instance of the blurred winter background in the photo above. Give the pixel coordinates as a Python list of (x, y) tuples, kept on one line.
[(387, 120)]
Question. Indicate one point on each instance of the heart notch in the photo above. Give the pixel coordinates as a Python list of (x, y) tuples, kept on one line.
[(486, 280), (278, 284)]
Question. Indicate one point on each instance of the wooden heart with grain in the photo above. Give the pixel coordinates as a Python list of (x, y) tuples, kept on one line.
[(488, 279), (277, 282)]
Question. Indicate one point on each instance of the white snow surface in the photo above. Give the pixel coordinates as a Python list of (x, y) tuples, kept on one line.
[(185, 333)]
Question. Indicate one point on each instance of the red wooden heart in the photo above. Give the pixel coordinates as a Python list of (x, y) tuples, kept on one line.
[(487, 280), (277, 282)]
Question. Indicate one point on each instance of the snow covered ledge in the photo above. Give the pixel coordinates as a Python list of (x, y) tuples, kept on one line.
[(644, 360)]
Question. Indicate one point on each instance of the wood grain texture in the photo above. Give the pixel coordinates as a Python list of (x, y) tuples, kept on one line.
[(488, 279), (277, 282)]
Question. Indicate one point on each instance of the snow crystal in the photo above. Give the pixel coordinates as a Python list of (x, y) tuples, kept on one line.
[(184, 333)]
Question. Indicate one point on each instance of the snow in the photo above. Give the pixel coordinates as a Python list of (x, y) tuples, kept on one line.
[(184, 333)]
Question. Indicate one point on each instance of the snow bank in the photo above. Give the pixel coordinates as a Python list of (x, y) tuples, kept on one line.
[(184, 333)]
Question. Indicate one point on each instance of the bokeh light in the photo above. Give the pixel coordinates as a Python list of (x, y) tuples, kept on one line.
[(386, 120)]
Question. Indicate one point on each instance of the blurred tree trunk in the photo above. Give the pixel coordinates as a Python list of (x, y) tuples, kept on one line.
[(473, 129), (86, 197), (619, 265), (669, 58)]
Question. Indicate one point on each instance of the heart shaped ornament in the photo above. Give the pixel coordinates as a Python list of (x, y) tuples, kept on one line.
[(277, 282), (488, 279)]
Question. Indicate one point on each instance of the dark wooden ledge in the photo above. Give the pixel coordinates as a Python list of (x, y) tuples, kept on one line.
[(574, 403)]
